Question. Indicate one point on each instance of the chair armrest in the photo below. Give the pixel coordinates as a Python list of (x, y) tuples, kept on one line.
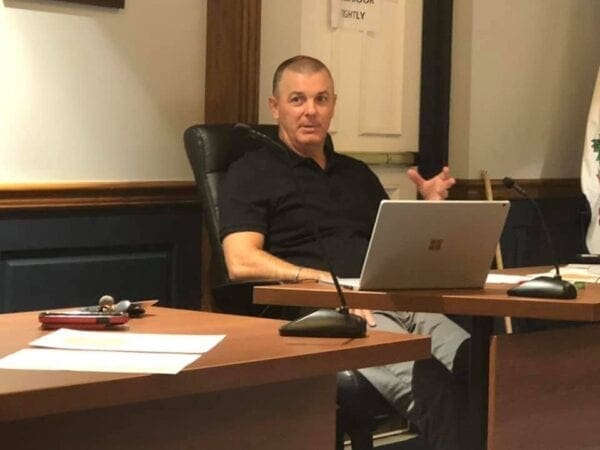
[(236, 297)]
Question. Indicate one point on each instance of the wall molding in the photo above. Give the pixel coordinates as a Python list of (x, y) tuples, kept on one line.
[(473, 189), (73, 195), (403, 159)]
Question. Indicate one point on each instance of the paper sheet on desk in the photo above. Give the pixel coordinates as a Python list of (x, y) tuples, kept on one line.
[(119, 352), (97, 361), (128, 342), (502, 278), (588, 273)]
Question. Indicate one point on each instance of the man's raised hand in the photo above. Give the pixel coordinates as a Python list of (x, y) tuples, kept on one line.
[(436, 188)]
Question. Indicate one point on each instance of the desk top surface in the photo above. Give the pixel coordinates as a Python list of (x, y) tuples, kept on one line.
[(490, 301), (252, 353)]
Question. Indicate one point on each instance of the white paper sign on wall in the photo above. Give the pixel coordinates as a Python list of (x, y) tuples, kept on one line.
[(362, 15)]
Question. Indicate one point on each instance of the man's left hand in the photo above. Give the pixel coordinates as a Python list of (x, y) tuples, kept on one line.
[(435, 188)]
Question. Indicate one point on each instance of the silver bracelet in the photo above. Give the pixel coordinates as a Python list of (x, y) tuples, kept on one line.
[(297, 277)]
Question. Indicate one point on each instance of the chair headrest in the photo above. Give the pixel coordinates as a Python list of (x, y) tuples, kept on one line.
[(215, 147)]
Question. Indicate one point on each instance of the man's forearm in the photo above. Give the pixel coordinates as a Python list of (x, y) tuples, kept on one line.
[(259, 264), (247, 260)]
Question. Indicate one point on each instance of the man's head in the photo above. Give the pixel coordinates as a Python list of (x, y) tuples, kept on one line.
[(303, 103)]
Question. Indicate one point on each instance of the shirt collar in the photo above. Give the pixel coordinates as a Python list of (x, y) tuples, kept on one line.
[(296, 159)]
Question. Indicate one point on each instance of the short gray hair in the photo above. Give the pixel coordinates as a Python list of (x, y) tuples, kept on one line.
[(301, 64)]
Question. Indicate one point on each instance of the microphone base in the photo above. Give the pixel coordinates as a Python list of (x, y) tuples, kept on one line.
[(545, 287), (326, 323)]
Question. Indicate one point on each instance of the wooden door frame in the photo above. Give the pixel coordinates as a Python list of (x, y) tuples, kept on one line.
[(232, 61)]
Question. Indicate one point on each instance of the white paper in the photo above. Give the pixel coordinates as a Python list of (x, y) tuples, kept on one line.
[(363, 15), (588, 273), (128, 342), (501, 278), (97, 361)]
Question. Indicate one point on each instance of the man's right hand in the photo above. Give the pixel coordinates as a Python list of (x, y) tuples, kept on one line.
[(306, 273), (366, 314), (435, 188)]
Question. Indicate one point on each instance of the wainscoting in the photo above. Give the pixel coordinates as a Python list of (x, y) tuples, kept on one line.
[(68, 245), (523, 242)]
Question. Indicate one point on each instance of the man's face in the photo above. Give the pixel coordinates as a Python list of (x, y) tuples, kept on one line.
[(303, 107)]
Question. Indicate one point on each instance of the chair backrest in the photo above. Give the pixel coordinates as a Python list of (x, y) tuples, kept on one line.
[(210, 150)]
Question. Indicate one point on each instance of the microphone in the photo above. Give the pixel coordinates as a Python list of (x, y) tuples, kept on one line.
[(323, 322), (543, 286)]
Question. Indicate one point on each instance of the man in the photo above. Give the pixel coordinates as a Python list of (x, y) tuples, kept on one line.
[(267, 219)]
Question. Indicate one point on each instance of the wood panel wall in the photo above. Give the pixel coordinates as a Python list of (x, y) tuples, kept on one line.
[(544, 390), (63, 251)]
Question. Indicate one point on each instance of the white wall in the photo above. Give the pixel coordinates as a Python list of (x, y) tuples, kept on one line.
[(522, 78), (89, 93), (99, 94)]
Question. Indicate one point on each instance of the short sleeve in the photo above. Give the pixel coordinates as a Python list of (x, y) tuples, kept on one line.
[(243, 203)]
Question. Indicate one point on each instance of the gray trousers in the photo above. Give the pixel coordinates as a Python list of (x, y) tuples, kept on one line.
[(431, 393)]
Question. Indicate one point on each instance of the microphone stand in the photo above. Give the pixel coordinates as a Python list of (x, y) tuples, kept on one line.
[(327, 322), (543, 286), (323, 322)]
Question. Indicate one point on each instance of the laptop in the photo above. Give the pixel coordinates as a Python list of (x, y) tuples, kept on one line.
[(431, 245)]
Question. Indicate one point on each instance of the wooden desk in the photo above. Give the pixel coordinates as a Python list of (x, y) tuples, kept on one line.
[(254, 390), (490, 302), (504, 392)]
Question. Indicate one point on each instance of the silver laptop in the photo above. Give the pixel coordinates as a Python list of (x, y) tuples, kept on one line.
[(431, 245)]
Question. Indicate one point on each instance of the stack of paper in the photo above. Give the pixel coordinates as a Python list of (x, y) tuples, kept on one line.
[(102, 351)]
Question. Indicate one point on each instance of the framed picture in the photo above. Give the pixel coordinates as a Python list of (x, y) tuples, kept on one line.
[(105, 3)]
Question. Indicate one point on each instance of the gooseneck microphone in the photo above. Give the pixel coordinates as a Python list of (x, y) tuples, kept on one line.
[(323, 322), (544, 286)]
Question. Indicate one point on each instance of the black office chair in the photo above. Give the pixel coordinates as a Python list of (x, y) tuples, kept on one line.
[(210, 150)]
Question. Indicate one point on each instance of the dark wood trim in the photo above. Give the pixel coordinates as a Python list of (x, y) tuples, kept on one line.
[(232, 81), (473, 189), (232, 61), (434, 112), (96, 194)]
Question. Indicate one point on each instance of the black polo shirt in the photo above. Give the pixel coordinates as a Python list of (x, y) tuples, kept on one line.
[(283, 196)]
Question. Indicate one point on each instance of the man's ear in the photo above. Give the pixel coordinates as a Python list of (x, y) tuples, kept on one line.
[(274, 107)]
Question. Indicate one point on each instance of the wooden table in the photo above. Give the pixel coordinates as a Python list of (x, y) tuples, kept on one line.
[(504, 392), (490, 302), (254, 390)]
